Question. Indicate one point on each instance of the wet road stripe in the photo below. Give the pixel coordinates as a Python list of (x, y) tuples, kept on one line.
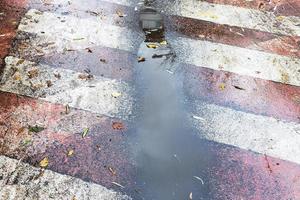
[(261, 134), (243, 93), (79, 90), (241, 174), (235, 36), (102, 147), (237, 16), (22, 181), (237, 60), (67, 32), (282, 7)]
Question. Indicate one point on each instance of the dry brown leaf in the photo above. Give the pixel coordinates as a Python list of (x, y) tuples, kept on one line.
[(118, 126), (33, 73)]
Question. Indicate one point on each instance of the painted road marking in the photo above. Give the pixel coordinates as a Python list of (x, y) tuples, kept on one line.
[(71, 33), (265, 135), (237, 60), (22, 181), (237, 16), (73, 88)]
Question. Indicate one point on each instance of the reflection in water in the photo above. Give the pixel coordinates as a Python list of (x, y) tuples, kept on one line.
[(168, 152)]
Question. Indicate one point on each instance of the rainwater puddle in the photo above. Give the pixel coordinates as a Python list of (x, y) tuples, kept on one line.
[(172, 161)]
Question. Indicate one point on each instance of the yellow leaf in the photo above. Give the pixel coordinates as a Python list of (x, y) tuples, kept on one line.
[(163, 43), (280, 18), (70, 152), (222, 86), (44, 163), (152, 46), (85, 132), (116, 94)]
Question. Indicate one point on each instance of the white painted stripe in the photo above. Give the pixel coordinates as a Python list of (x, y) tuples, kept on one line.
[(95, 95), (69, 32), (17, 183), (261, 134), (237, 60), (237, 16), (121, 2)]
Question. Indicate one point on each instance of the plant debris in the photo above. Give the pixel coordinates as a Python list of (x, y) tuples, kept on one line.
[(120, 13), (141, 59), (44, 163), (116, 94), (89, 50), (239, 88), (49, 83), (67, 109), (222, 86), (85, 76), (103, 60), (152, 46), (117, 184), (118, 126), (85, 132), (112, 171), (70, 153), (199, 179), (33, 73), (35, 129)]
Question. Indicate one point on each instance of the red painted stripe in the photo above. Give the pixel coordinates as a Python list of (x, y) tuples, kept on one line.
[(278, 7), (243, 93), (9, 20), (101, 61), (236, 36), (96, 157), (240, 174)]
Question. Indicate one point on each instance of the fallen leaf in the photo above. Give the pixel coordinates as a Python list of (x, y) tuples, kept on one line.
[(21, 130), (116, 94), (237, 87), (85, 132), (70, 152), (152, 46), (26, 142), (280, 18), (163, 42), (103, 60), (33, 73), (120, 13), (17, 76), (44, 163), (191, 196), (85, 76), (49, 83), (67, 111), (118, 126), (35, 129), (141, 59), (89, 50), (112, 171), (21, 61), (58, 76), (222, 86)]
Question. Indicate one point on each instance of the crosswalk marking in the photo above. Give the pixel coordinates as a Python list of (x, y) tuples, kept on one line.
[(237, 16), (238, 60), (95, 95), (260, 134), (68, 32)]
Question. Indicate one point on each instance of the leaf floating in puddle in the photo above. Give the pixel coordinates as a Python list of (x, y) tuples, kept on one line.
[(116, 94), (141, 59), (222, 86), (44, 163), (191, 196), (118, 126), (70, 152), (85, 132), (152, 46), (35, 129)]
